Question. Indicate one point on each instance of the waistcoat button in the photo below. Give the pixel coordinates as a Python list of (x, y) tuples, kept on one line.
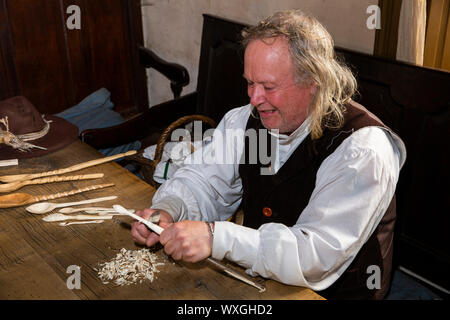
[(267, 211)]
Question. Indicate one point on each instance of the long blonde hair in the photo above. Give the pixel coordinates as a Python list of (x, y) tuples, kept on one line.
[(312, 50)]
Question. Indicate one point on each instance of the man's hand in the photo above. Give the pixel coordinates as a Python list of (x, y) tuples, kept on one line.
[(141, 234), (190, 241), (186, 240)]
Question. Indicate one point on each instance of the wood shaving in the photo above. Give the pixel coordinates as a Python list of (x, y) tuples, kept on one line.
[(130, 267)]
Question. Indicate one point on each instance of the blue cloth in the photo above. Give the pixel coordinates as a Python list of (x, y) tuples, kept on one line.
[(96, 111)]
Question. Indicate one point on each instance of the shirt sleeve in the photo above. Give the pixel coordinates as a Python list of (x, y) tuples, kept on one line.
[(208, 187), (354, 187)]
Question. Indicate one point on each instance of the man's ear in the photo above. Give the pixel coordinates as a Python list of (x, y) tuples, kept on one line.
[(313, 89)]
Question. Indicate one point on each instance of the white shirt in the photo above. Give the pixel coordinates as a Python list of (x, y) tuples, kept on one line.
[(354, 186)]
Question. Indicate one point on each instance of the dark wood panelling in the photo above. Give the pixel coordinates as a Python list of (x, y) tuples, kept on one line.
[(78, 53), (39, 53), (106, 33), (221, 85), (136, 36), (9, 84), (4, 83), (415, 103), (56, 68)]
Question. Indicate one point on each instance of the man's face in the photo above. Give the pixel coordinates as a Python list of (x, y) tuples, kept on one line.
[(269, 70)]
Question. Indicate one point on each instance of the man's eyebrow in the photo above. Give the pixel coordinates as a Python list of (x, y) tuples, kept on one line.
[(263, 82)]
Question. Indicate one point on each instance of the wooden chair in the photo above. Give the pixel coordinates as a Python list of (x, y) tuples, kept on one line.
[(220, 87), (177, 74), (141, 125)]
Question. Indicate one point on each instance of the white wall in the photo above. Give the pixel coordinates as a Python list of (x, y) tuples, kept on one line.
[(172, 28)]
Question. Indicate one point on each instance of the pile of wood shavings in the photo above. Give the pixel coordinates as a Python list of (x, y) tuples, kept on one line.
[(129, 267)]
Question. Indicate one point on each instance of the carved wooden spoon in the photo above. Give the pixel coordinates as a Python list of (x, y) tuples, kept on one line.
[(21, 199), (8, 187), (62, 217), (20, 177), (68, 223), (93, 210), (72, 210), (44, 207)]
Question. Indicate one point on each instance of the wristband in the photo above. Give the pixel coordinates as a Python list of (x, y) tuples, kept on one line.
[(211, 229)]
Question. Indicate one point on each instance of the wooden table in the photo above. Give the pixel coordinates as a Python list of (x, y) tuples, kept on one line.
[(35, 255)]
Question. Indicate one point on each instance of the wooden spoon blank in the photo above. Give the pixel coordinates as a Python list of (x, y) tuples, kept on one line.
[(21, 177), (21, 199), (12, 186), (68, 223), (54, 217)]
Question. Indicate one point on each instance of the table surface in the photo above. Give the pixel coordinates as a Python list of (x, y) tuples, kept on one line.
[(35, 255)]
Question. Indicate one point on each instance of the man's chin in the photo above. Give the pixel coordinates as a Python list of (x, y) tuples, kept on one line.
[(269, 125)]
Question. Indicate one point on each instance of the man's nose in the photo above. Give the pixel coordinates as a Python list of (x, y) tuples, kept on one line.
[(257, 95)]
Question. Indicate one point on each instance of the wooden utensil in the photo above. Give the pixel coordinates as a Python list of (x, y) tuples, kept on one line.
[(72, 210), (92, 210), (62, 217), (154, 227), (67, 223), (12, 186), (157, 229), (21, 199), (44, 207), (21, 177), (112, 212)]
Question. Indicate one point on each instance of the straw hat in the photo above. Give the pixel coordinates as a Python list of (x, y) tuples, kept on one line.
[(25, 133)]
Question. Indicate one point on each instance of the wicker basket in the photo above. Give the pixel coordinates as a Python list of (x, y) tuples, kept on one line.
[(148, 166)]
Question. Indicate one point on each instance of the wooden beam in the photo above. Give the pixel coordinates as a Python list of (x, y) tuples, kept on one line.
[(435, 39), (386, 37)]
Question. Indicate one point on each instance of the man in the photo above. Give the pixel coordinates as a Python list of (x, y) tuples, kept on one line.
[(326, 212)]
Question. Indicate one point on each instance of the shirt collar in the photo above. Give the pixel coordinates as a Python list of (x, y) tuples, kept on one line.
[(300, 133)]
